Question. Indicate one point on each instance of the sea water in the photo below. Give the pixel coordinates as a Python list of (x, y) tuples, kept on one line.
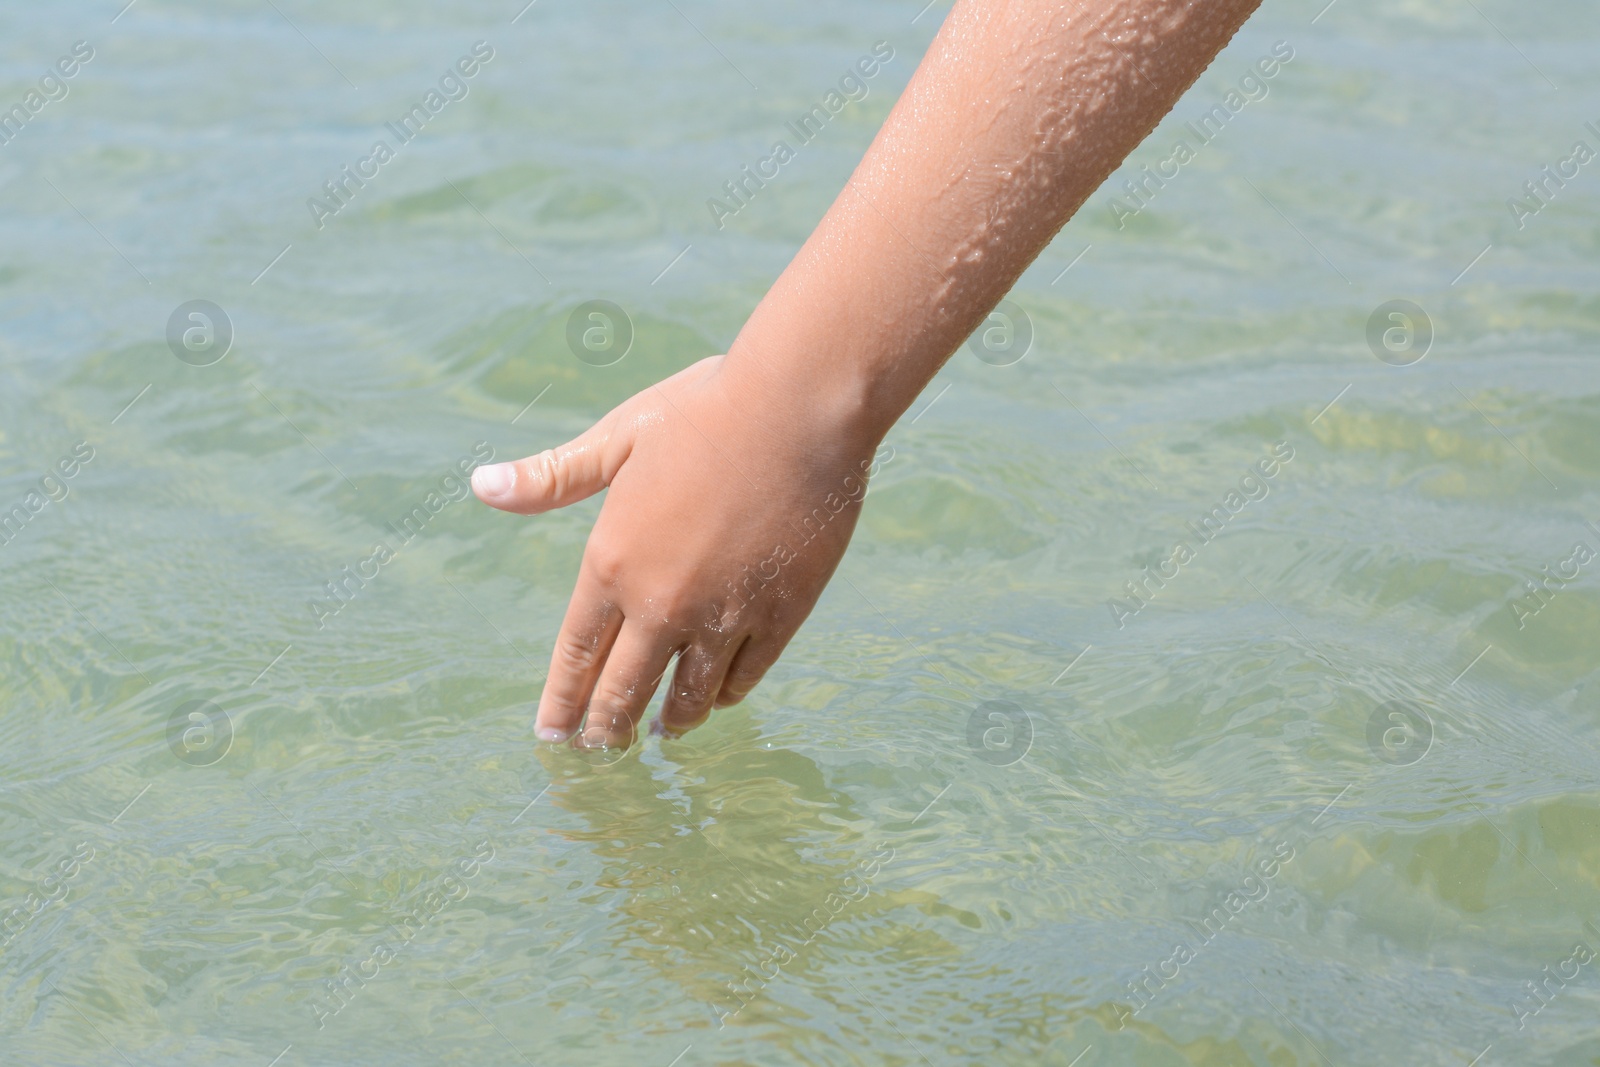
[(1211, 679)]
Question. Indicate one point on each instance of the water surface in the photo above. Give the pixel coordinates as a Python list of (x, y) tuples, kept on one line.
[(1327, 796)]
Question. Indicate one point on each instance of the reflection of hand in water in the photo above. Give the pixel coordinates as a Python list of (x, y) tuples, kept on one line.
[(741, 867)]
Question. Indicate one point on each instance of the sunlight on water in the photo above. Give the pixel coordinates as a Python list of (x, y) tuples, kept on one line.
[(1213, 684)]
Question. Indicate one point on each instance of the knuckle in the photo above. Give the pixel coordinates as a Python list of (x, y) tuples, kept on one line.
[(680, 610), (744, 677), (690, 695), (623, 693), (738, 684), (604, 563), (546, 470), (574, 653), (612, 698)]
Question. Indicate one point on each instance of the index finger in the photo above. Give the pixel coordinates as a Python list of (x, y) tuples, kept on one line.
[(587, 633)]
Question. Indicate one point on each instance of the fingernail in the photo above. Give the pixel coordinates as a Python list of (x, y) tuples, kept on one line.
[(550, 734), (494, 480)]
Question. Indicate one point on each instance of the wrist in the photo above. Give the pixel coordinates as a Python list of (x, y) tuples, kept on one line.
[(846, 337), (807, 384)]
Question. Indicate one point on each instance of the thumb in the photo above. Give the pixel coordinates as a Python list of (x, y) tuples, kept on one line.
[(555, 477)]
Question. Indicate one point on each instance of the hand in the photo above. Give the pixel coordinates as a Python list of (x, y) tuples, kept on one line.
[(726, 516)]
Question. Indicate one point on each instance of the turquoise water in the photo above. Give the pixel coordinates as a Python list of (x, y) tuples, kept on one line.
[(1324, 794)]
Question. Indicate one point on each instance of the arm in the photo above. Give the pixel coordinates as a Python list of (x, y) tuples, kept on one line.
[(1018, 112), (736, 483)]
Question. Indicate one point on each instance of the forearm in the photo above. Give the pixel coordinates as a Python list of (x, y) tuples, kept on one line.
[(1019, 111)]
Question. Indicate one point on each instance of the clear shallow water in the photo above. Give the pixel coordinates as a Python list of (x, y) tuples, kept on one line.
[(879, 889)]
